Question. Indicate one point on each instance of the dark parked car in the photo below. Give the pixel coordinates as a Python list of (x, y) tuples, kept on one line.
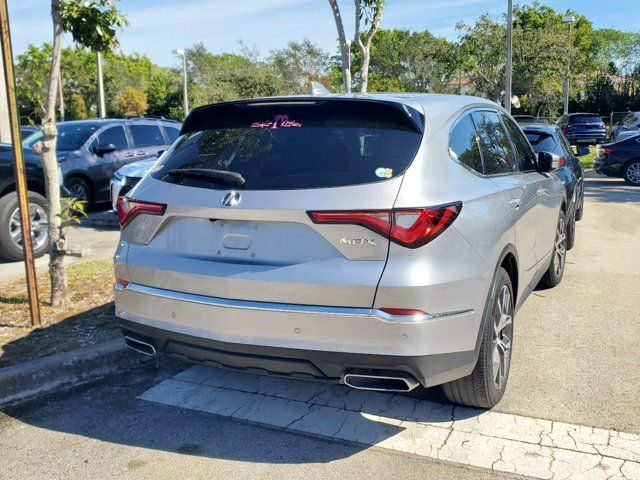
[(90, 151), (529, 119), (629, 126), (26, 130), (620, 159), (583, 128), (10, 229), (549, 138)]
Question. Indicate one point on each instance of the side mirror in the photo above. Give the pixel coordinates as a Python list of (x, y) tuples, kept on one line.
[(582, 150), (545, 162), (102, 150)]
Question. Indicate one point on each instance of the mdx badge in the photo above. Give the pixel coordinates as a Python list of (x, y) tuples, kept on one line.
[(357, 241), (231, 199)]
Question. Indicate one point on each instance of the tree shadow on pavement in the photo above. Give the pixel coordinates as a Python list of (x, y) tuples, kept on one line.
[(610, 190), (111, 412)]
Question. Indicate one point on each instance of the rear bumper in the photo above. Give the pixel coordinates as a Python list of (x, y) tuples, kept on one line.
[(429, 370), (587, 138), (321, 342), (607, 167)]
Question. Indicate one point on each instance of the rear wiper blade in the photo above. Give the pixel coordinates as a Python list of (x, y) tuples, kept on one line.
[(225, 177)]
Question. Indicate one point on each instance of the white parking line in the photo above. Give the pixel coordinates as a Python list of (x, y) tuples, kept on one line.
[(503, 442)]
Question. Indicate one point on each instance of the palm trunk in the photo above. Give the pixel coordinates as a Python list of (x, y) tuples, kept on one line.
[(47, 150), (345, 50)]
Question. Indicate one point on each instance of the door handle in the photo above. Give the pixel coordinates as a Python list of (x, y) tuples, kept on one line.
[(141, 152), (129, 154), (515, 202)]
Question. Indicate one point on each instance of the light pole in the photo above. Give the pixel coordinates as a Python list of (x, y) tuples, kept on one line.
[(569, 20), (185, 92), (509, 67)]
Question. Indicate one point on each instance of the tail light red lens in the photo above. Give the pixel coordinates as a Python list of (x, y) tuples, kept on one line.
[(561, 161), (606, 150), (129, 209), (410, 227)]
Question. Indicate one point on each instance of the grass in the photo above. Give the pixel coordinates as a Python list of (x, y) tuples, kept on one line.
[(588, 160), (89, 319)]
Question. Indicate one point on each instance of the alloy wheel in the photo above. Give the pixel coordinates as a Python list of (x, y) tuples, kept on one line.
[(560, 248), (633, 173), (39, 226), (77, 191), (502, 335)]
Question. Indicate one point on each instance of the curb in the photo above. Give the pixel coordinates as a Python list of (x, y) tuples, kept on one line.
[(26, 381)]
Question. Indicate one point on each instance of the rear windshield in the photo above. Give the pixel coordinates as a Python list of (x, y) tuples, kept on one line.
[(585, 119), (541, 142), (292, 145)]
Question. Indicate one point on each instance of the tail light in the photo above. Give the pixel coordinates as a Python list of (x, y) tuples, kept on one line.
[(129, 209), (603, 150), (561, 161), (409, 227)]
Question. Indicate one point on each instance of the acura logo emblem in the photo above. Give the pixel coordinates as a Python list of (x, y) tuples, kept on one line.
[(231, 199)]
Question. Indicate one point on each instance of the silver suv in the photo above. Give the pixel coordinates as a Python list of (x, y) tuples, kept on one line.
[(381, 241)]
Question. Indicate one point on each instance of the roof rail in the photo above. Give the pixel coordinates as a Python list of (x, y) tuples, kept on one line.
[(151, 117)]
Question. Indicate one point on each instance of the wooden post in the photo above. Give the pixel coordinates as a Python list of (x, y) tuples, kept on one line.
[(18, 162)]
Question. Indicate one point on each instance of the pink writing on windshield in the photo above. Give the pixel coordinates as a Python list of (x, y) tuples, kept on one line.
[(279, 121)]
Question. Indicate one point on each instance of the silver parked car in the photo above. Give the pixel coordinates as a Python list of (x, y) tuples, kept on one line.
[(127, 177), (381, 241)]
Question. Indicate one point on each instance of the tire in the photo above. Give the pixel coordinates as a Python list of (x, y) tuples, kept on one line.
[(486, 385), (631, 172), (571, 232), (580, 210), (78, 188), (553, 276), (10, 239)]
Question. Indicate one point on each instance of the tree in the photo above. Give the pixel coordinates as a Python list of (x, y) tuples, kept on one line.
[(368, 12), (76, 107), (410, 62), (92, 23), (299, 64), (215, 78), (132, 102)]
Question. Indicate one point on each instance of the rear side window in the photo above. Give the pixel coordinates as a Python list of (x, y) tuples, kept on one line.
[(463, 145), (172, 133), (115, 136), (585, 119), (524, 154), (292, 145), (496, 148), (146, 135)]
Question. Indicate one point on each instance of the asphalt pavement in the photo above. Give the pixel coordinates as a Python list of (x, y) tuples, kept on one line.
[(97, 237), (575, 361)]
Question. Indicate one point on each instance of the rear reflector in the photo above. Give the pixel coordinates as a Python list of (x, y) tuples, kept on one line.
[(121, 282), (409, 227), (129, 209)]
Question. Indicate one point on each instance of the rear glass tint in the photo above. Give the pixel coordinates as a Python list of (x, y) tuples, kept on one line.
[(585, 119), (293, 145)]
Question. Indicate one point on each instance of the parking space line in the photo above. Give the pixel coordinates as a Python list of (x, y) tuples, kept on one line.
[(503, 442)]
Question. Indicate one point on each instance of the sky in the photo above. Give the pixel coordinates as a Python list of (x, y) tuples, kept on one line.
[(158, 26)]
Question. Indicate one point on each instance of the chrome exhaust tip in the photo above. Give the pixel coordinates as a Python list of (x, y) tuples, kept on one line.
[(140, 346), (380, 383)]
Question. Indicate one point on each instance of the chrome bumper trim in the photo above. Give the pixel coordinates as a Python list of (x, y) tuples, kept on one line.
[(285, 307)]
